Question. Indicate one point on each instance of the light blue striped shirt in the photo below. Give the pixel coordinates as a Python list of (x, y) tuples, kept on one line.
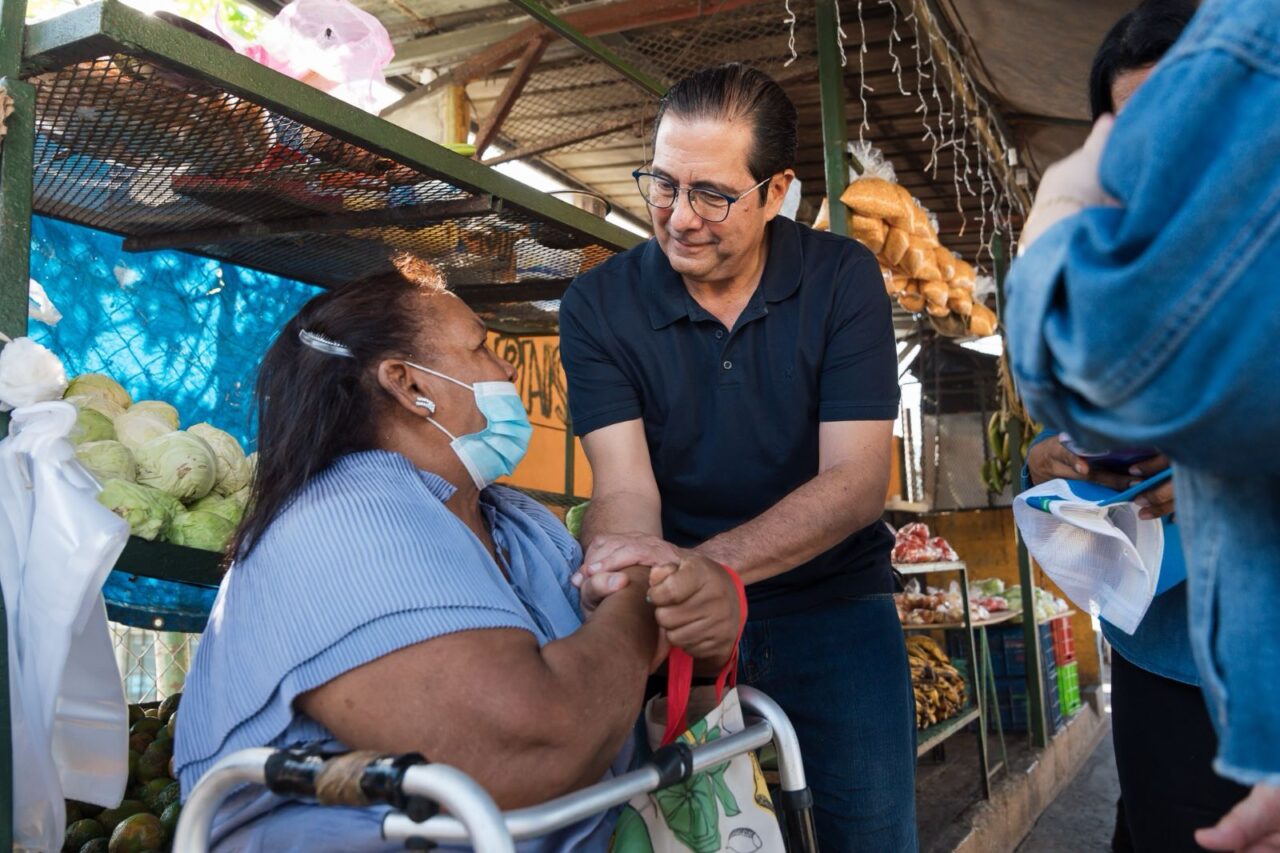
[(365, 561)]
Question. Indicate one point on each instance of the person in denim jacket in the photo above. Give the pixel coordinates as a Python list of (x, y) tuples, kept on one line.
[(1146, 313)]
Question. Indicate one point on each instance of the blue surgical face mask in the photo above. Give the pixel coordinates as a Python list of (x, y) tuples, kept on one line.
[(497, 449)]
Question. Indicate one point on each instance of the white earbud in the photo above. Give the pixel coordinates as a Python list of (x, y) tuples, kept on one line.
[(425, 403)]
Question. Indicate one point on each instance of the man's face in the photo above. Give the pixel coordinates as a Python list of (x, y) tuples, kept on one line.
[(710, 155)]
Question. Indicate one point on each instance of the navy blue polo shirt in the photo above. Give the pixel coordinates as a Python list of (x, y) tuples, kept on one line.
[(731, 415)]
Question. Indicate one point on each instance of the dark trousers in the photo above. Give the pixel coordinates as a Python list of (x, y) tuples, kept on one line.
[(1164, 753), (840, 673)]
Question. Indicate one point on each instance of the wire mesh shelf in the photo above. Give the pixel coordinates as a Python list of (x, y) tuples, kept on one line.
[(172, 156)]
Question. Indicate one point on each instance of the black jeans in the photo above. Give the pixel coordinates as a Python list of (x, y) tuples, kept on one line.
[(840, 673), (1164, 753)]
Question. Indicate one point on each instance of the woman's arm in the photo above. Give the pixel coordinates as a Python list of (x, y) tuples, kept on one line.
[(527, 723)]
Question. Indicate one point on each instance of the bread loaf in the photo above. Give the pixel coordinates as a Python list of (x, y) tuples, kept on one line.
[(918, 260), (874, 197), (982, 321), (935, 291), (965, 275), (906, 217), (946, 262), (920, 226), (868, 231), (960, 300), (894, 282), (913, 302), (823, 220), (895, 246), (936, 310)]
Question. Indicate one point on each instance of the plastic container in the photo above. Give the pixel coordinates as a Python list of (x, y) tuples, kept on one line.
[(1064, 643), (1069, 688)]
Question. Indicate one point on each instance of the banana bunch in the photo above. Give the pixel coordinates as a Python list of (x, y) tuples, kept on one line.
[(997, 466), (939, 689)]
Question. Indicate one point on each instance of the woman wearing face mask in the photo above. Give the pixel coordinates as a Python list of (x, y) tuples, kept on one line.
[(384, 595)]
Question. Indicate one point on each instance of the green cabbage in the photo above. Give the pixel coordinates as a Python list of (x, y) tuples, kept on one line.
[(233, 470), (98, 385), (103, 406), (202, 530), (91, 426), (573, 519), (224, 505), (148, 511), (179, 464), (157, 409), (136, 428), (108, 460)]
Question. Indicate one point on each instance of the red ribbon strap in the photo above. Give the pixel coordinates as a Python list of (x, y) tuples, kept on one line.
[(680, 672)]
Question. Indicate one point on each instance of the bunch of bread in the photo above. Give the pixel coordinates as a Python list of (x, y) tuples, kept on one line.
[(918, 270)]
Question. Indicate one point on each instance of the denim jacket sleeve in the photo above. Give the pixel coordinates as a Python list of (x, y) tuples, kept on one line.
[(1156, 322)]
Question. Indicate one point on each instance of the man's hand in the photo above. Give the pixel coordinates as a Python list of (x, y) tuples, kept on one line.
[(1157, 502), (1049, 460), (597, 589), (1070, 185), (610, 552), (1253, 826), (697, 607)]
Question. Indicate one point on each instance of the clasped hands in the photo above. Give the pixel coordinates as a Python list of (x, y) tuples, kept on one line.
[(694, 598)]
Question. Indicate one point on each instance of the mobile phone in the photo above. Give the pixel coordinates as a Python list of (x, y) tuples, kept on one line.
[(1118, 460)]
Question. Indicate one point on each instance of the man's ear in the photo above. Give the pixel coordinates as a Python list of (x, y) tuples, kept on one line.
[(407, 387), (777, 194)]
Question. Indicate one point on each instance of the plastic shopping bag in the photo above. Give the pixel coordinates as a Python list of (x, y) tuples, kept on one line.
[(57, 545), (1091, 542)]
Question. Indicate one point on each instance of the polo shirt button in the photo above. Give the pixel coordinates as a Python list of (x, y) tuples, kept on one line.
[(719, 334), (728, 365)]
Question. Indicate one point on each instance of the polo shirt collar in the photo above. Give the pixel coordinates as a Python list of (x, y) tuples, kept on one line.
[(669, 299)]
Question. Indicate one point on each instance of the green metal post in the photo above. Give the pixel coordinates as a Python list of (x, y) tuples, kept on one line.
[(589, 45), (975, 685), (1030, 627), (16, 153), (831, 88)]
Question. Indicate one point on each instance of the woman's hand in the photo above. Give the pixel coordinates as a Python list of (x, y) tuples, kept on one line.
[(1049, 460), (697, 607)]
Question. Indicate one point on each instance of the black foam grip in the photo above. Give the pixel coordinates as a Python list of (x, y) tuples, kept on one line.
[(794, 801), (674, 763)]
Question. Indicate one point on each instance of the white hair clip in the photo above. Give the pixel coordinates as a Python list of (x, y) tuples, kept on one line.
[(320, 343)]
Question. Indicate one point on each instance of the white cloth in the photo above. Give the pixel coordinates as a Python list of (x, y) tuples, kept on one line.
[(1101, 556), (66, 702)]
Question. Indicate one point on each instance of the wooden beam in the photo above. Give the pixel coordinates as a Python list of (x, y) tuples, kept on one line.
[(560, 141), (515, 85)]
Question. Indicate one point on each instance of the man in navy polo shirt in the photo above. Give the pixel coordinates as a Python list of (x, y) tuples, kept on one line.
[(734, 380)]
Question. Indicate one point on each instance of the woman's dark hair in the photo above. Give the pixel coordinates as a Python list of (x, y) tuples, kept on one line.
[(734, 91), (1135, 41), (314, 406)]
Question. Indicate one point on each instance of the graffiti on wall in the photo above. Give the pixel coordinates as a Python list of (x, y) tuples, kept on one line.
[(541, 381)]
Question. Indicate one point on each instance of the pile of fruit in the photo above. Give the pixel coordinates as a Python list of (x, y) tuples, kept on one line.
[(913, 544), (145, 820), (938, 686), (189, 487)]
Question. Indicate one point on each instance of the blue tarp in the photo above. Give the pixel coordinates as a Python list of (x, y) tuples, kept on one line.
[(168, 326)]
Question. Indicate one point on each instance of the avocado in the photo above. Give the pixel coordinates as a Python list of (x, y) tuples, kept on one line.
[(151, 790), (137, 834), (81, 833), (146, 726), (172, 726), (139, 742), (97, 845), (169, 818), (75, 813), (153, 764), (134, 755), (112, 817), (135, 713), (153, 713), (168, 706)]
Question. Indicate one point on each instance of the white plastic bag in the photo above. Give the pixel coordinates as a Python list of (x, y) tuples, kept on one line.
[(1102, 556), (57, 546)]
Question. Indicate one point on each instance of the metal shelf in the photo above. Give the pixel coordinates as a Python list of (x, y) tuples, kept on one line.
[(928, 739), (174, 142), (1005, 616), (929, 568)]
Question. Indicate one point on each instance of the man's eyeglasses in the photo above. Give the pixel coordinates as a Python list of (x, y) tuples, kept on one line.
[(708, 204)]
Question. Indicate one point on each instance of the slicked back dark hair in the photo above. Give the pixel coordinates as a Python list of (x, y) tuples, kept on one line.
[(735, 91), (314, 407), (1140, 38)]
